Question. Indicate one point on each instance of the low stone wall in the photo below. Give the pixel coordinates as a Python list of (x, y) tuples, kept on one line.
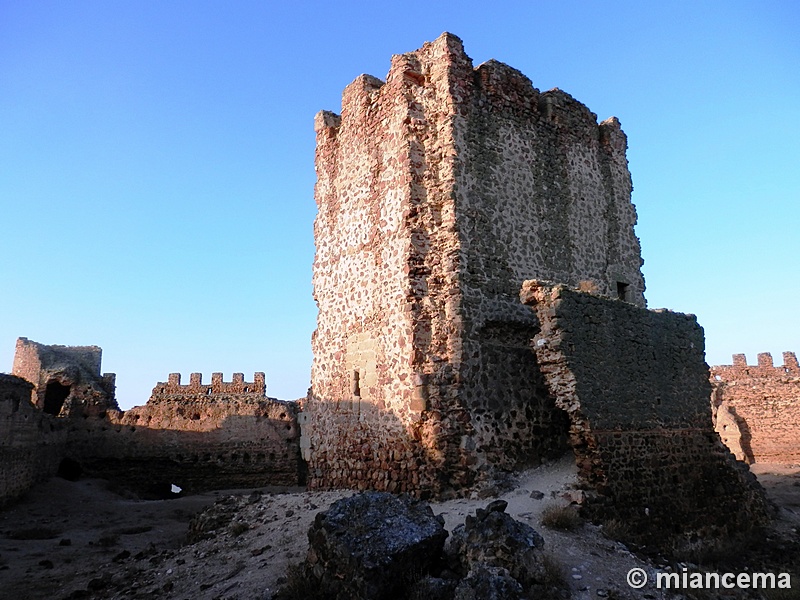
[(757, 408), (635, 386), (31, 443)]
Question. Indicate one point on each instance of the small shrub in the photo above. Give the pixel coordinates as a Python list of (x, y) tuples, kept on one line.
[(239, 528), (554, 575), (552, 585), (111, 539), (617, 530), (300, 586), (563, 518)]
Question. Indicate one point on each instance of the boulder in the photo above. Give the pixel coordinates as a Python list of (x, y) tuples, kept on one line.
[(373, 545), (493, 539), (488, 583)]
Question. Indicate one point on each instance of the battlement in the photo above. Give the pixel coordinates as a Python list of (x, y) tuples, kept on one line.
[(440, 189), (764, 366), (238, 385), (757, 407)]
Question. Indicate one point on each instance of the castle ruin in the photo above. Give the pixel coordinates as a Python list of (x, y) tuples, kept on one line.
[(481, 309), (440, 192), (66, 379), (197, 436)]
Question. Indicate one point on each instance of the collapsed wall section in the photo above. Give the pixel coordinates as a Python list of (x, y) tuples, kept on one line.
[(31, 443), (197, 436), (757, 408), (635, 385), (542, 191)]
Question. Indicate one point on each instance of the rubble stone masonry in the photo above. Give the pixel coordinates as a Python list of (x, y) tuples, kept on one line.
[(635, 385), (757, 408), (197, 436), (439, 191), (66, 379), (31, 442)]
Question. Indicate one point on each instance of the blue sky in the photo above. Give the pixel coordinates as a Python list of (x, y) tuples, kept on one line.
[(156, 163)]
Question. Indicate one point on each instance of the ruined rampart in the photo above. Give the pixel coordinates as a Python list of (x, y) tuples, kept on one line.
[(31, 443), (757, 408), (635, 386), (197, 436), (66, 379), (439, 191)]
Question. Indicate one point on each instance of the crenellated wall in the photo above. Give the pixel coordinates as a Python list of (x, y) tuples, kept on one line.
[(197, 436), (217, 387), (439, 191), (757, 408)]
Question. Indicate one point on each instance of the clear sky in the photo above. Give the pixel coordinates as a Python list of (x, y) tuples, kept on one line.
[(157, 174)]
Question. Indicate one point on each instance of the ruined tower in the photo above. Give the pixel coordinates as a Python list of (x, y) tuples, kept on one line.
[(439, 191), (66, 379)]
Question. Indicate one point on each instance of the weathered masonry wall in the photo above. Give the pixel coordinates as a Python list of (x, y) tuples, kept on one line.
[(66, 379), (439, 191), (757, 408), (31, 443), (635, 385), (198, 436)]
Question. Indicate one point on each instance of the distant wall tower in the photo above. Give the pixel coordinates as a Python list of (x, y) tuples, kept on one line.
[(66, 379), (440, 191)]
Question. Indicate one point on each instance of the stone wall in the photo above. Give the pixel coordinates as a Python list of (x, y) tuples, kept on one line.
[(439, 191), (31, 443), (757, 408), (635, 386), (66, 379), (197, 436)]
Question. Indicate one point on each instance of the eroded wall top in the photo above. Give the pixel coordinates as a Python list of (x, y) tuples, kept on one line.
[(66, 379)]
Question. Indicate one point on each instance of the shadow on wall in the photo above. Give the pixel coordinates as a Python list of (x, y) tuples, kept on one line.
[(354, 444), (733, 429), (242, 452)]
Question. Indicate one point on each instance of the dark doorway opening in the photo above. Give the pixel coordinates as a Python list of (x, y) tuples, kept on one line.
[(54, 397), (622, 291), (70, 470)]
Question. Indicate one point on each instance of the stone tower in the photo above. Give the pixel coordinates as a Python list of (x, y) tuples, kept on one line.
[(439, 191)]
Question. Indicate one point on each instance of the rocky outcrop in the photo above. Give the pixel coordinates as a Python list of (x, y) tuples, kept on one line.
[(492, 539), (489, 583), (373, 545)]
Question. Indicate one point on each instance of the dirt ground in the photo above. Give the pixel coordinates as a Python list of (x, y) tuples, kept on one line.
[(69, 540)]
